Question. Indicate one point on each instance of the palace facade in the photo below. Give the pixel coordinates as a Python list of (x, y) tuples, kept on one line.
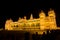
[(42, 23)]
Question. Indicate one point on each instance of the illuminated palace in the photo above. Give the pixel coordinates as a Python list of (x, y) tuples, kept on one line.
[(34, 25)]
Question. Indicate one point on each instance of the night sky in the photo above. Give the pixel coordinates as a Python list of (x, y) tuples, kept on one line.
[(16, 9)]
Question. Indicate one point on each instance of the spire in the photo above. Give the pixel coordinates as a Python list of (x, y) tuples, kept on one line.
[(10, 19), (19, 18), (31, 17), (50, 9), (42, 11)]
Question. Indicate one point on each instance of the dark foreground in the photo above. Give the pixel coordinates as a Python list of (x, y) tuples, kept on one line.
[(21, 35)]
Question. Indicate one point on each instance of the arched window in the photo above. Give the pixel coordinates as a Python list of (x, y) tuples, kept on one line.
[(37, 24), (16, 25), (33, 25), (24, 25), (12, 25)]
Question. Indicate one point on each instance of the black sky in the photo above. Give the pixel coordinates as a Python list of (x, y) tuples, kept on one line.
[(16, 9)]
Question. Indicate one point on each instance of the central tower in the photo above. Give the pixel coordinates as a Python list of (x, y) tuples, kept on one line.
[(42, 20)]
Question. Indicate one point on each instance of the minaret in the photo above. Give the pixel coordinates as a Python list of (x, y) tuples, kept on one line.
[(52, 19), (31, 17)]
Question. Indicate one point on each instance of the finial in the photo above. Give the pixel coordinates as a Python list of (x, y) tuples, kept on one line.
[(10, 19), (19, 18), (51, 9), (24, 17), (41, 11)]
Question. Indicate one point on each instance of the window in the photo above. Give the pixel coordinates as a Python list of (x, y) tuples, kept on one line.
[(24, 25), (12, 25), (38, 24), (16, 25), (33, 25)]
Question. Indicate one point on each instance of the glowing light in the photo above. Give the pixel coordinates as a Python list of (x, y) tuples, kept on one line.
[(42, 23)]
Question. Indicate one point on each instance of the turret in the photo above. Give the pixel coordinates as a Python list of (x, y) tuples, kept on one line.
[(52, 19)]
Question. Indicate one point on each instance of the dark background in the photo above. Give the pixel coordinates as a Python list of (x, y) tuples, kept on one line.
[(16, 9)]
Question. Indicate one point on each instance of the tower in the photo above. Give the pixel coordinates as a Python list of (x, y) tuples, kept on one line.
[(7, 24), (42, 20), (52, 19)]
